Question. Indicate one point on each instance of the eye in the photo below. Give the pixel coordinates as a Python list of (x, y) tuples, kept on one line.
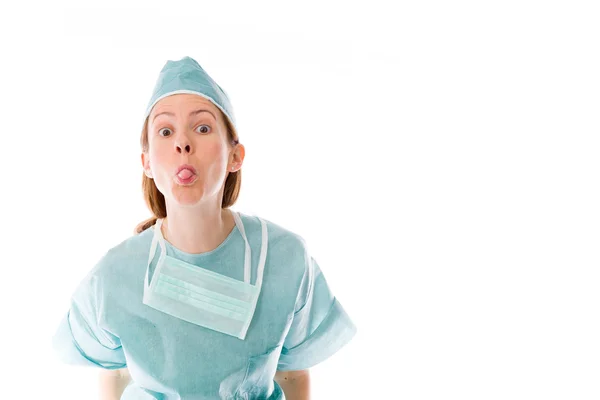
[(203, 129), (162, 130)]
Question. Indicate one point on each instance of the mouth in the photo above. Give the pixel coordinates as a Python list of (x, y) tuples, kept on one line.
[(185, 175)]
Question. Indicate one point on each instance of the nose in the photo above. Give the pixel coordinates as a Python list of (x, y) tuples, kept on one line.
[(183, 145)]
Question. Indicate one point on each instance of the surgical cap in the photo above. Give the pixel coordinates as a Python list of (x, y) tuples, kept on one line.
[(187, 76)]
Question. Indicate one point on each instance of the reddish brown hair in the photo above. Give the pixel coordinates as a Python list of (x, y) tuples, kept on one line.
[(155, 199)]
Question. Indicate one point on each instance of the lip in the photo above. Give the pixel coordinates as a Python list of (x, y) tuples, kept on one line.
[(186, 166), (188, 181)]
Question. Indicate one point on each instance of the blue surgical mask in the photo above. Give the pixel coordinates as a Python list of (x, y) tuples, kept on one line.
[(203, 297)]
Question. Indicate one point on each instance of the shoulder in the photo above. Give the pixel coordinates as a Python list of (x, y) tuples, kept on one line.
[(288, 255), (119, 258), (289, 262), (281, 239)]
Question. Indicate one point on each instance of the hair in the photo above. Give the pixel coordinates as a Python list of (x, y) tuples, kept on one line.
[(155, 199)]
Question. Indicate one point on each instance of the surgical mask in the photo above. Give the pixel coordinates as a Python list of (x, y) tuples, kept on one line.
[(201, 296)]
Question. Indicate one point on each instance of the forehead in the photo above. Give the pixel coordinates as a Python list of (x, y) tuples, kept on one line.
[(183, 103)]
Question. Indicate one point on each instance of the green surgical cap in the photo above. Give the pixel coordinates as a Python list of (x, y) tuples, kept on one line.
[(187, 76)]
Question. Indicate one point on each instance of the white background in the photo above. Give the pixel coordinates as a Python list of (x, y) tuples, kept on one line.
[(440, 159)]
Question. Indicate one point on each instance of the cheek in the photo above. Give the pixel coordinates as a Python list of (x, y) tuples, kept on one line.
[(158, 151), (159, 163), (156, 158), (212, 152)]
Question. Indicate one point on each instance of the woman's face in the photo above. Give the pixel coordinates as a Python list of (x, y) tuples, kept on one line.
[(189, 154)]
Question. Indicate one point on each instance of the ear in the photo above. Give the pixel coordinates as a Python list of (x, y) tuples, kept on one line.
[(146, 165), (236, 158)]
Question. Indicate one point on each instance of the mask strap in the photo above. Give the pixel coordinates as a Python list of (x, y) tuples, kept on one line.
[(263, 254), (248, 253), (156, 239), (259, 274)]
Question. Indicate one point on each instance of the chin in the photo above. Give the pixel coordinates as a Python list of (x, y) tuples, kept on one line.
[(186, 200), (187, 196)]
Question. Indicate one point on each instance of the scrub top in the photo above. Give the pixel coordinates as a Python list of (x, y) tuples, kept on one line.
[(297, 323)]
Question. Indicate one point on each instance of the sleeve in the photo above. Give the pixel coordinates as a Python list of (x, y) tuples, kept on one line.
[(79, 339), (320, 326)]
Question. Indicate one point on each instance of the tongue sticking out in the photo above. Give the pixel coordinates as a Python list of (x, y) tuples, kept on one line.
[(185, 174)]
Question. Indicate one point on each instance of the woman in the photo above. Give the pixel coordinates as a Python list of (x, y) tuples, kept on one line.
[(202, 302)]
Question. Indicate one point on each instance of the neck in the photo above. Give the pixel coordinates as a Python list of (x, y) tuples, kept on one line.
[(197, 230)]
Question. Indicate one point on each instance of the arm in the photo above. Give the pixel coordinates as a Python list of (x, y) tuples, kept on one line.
[(113, 383), (295, 384)]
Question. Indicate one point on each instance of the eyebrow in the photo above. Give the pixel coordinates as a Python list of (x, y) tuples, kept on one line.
[(196, 112)]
